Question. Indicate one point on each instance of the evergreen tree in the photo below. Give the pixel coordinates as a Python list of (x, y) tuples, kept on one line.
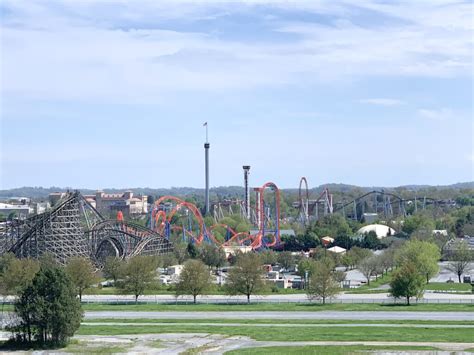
[(193, 252), (48, 309)]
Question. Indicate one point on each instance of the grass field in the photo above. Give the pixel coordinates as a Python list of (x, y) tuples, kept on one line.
[(280, 307), (279, 321), (216, 290), (323, 349), (443, 286), (405, 334), (286, 307)]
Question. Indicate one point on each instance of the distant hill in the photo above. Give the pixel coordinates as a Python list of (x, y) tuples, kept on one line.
[(226, 191)]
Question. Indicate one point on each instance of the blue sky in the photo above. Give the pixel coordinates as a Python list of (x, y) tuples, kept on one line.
[(114, 93)]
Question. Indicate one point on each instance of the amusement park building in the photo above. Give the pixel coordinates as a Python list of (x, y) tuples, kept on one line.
[(125, 202), (20, 211), (103, 202)]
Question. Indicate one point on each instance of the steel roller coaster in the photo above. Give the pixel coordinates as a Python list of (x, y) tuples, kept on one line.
[(383, 203), (388, 205), (312, 208), (172, 215)]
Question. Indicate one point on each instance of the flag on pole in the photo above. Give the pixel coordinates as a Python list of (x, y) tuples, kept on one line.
[(205, 124)]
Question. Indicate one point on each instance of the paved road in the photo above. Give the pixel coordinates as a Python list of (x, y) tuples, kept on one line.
[(358, 316), (301, 297), (284, 325), (342, 298)]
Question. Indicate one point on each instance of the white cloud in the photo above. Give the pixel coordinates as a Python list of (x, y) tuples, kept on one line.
[(382, 102), (441, 114), (91, 50)]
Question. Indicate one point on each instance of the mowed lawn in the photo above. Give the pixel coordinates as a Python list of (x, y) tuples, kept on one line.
[(273, 321), (282, 307), (269, 333), (306, 350)]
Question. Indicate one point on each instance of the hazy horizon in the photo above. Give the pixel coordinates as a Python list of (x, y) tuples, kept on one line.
[(231, 186)]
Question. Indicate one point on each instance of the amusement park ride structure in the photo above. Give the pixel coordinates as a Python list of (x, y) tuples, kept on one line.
[(379, 202), (74, 228), (185, 218), (311, 209)]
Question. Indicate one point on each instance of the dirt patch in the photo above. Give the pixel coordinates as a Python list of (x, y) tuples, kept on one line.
[(199, 343)]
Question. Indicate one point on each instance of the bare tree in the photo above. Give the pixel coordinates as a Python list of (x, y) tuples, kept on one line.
[(461, 259), (368, 267)]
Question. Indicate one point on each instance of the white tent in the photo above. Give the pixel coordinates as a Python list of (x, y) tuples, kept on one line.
[(337, 250), (379, 229)]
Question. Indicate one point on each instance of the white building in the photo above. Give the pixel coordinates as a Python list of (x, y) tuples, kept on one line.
[(19, 211), (380, 230)]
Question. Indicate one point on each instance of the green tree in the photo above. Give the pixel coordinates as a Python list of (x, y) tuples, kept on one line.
[(48, 309), (180, 251), (5, 260), (47, 260), (322, 282), (193, 252), (417, 222), (370, 241), (168, 260), (138, 276), (212, 255), (268, 257), (460, 259), (353, 257), (305, 265), (347, 260), (301, 242), (331, 225), (286, 259), (424, 255), (194, 279), (17, 275), (247, 276), (113, 268), (82, 274), (387, 259), (407, 282)]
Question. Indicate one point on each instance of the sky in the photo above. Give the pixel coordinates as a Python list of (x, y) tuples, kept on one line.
[(101, 94)]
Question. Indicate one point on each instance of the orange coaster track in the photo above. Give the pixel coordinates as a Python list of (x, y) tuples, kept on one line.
[(164, 222)]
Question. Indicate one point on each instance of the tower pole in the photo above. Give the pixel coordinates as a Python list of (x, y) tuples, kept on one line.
[(206, 155), (247, 191)]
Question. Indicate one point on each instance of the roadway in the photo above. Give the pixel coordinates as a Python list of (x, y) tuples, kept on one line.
[(428, 297)]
